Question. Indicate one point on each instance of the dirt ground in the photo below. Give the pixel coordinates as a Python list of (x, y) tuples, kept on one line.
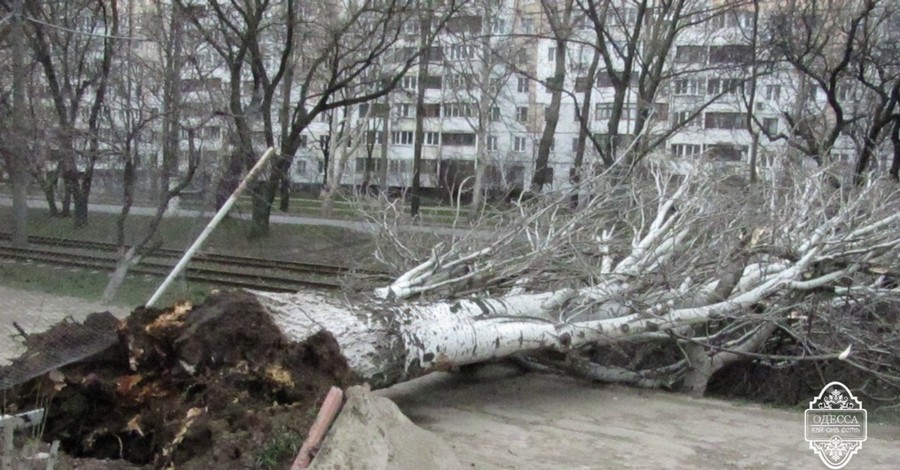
[(497, 418), (501, 419)]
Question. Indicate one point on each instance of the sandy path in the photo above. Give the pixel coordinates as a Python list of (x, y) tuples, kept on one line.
[(501, 419)]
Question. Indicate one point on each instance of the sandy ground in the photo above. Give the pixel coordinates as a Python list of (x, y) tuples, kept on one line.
[(500, 419)]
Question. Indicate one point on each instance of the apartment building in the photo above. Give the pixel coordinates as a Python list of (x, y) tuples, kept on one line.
[(488, 90), (699, 112)]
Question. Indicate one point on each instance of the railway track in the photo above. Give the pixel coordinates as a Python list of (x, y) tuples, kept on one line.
[(215, 269)]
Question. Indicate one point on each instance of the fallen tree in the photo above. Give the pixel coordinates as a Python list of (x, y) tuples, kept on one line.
[(664, 282), (701, 264)]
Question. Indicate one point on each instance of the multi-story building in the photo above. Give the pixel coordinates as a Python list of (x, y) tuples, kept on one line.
[(488, 89)]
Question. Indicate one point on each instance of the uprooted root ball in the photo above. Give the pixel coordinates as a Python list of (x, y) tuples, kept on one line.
[(215, 384)]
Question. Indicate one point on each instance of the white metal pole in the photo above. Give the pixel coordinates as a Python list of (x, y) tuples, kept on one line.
[(210, 227)]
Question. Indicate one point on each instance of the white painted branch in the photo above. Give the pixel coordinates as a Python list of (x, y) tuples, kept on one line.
[(182, 263)]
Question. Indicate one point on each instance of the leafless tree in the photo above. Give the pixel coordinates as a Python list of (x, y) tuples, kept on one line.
[(75, 43), (841, 50), (344, 62)]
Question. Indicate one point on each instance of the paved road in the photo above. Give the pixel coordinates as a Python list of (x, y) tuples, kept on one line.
[(361, 226)]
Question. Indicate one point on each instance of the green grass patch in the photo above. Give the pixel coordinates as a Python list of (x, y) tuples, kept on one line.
[(310, 243), (284, 444), (89, 285)]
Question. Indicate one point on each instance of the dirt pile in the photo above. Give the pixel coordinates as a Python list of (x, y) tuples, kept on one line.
[(215, 384)]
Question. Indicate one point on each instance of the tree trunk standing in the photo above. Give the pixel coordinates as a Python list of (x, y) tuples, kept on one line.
[(284, 189), (485, 100), (895, 142), (551, 118), (48, 181), (480, 169), (230, 179), (385, 135), (584, 120), (416, 187), (80, 205), (881, 118), (284, 120), (171, 103), (17, 163), (751, 102), (128, 177)]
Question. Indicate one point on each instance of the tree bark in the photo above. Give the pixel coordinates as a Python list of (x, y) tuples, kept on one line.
[(895, 143), (17, 163), (551, 118), (415, 189)]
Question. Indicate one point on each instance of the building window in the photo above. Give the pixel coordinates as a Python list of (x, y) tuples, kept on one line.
[(686, 150), (324, 140), (409, 83), (498, 26), (726, 152), (522, 113), (521, 84), (730, 54), (495, 113), (212, 132), (773, 92), (411, 27), (461, 51), (551, 54), (432, 110), (492, 143), (405, 111), (684, 119), (451, 139), (688, 87), (459, 110), (717, 86), (458, 81), (402, 137), (398, 167), (432, 138), (527, 25), (690, 54), (574, 144), (519, 144), (603, 110), (771, 125), (724, 120)]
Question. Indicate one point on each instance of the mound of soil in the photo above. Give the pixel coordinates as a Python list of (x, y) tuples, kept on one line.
[(216, 384)]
